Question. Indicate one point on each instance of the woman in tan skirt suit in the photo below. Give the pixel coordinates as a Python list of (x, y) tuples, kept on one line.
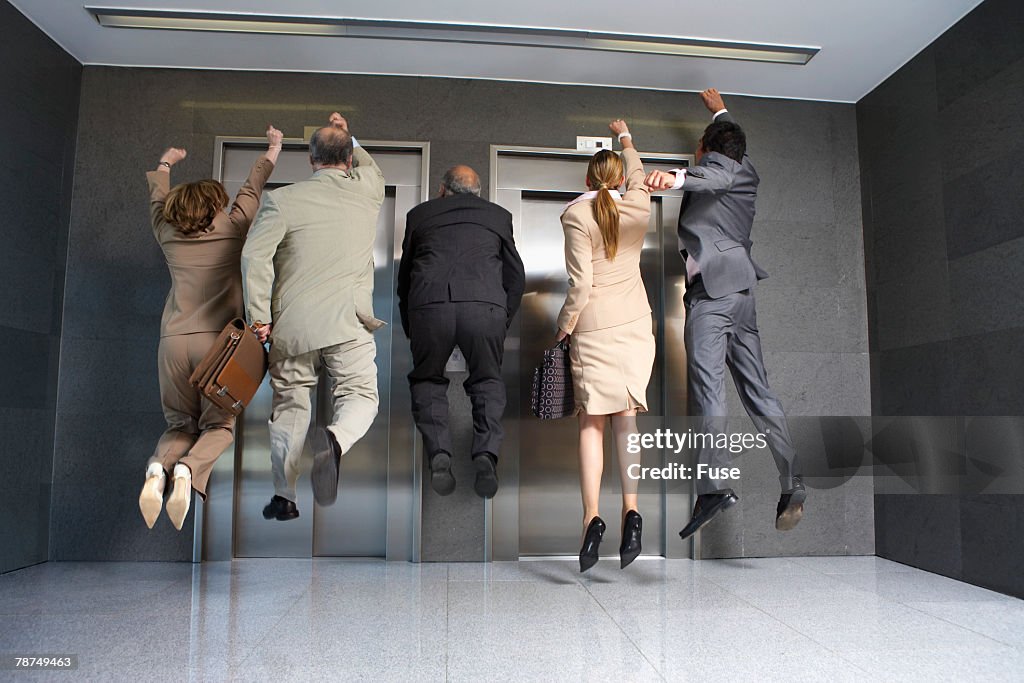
[(202, 243), (608, 315)]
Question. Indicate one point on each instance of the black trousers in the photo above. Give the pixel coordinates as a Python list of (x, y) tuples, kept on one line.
[(479, 330)]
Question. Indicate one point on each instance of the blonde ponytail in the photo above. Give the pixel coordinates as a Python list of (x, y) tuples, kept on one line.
[(604, 172), (606, 213)]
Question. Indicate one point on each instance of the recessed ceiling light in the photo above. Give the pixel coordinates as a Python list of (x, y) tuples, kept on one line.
[(447, 32)]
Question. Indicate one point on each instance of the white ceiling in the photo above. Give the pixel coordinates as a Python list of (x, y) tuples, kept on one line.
[(862, 41)]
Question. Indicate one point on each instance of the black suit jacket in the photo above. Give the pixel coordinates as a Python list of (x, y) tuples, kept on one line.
[(459, 248)]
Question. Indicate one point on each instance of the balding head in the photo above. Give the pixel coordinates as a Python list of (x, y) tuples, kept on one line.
[(460, 180), (330, 147)]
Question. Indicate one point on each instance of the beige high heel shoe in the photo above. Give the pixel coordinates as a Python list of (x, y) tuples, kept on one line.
[(151, 500), (181, 495)]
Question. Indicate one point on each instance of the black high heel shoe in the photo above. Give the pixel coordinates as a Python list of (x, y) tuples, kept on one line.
[(632, 527), (591, 542)]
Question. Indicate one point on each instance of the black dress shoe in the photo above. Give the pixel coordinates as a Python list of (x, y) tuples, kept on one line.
[(591, 542), (486, 484), (629, 550), (707, 506), (324, 477), (791, 506), (441, 478), (280, 509)]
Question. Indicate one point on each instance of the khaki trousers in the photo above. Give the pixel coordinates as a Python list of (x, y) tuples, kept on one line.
[(197, 430), (352, 371)]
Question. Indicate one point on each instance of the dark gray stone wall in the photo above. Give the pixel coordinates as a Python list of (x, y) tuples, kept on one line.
[(809, 236), (38, 113), (941, 142)]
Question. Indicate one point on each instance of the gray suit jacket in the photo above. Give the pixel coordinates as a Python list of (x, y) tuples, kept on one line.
[(715, 222), (307, 265)]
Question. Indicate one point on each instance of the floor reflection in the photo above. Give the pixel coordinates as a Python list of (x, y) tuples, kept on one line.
[(843, 618)]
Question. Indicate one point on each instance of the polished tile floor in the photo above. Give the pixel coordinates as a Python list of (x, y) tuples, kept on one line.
[(835, 619)]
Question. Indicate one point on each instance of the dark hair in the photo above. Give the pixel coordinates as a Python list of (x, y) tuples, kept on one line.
[(191, 207), (725, 137), (330, 146)]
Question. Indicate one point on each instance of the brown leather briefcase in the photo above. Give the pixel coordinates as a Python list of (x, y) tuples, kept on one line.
[(233, 369)]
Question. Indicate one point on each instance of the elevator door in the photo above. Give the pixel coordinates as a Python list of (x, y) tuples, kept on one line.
[(540, 513), (369, 518)]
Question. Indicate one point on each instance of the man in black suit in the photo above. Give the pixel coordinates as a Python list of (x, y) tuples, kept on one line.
[(459, 283)]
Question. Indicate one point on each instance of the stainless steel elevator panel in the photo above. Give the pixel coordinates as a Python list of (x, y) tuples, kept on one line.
[(357, 524), (379, 481), (363, 471), (538, 511)]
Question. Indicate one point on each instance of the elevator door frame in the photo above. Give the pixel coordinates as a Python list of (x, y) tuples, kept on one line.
[(501, 514), (404, 467)]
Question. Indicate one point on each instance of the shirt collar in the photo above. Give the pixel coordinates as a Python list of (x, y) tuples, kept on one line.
[(591, 195)]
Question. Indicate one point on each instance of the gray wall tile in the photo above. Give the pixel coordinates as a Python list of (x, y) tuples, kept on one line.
[(988, 373), (908, 233), (108, 307), (101, 466), (29, 282), (920, 530), (97, 376), (986, 289), (978, 126), (41, 86), (28, 434), (940, 142), (994, 185), (992, 555), (916, 380), (818, 264), (914, 309), (27, 376), (977, 47)]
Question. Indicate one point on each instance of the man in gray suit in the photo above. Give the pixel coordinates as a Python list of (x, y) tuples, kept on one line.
[(307, 274), (721, 321)]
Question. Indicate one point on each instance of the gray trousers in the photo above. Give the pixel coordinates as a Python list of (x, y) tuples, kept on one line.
[(722, 334), (353, 374)]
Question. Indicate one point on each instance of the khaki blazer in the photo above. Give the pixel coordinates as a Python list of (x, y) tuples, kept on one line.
[(307, 265), (206, 280), (604, 293)]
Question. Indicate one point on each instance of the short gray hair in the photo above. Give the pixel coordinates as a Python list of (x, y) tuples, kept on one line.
[(330, 146), (457, 182)]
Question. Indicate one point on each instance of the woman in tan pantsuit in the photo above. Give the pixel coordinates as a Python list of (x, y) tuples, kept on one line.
[(202, 244), (608, 315)]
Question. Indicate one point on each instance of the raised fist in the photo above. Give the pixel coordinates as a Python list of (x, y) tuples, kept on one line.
[(338, 121), (173, 155), (618, 126), (660, 180), (274, 136)]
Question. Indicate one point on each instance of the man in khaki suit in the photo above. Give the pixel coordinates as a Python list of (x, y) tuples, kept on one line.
[(307, 271)]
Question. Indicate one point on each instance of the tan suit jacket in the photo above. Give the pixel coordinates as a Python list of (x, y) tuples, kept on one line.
[(206, 281), (604, 293), (307, 265)]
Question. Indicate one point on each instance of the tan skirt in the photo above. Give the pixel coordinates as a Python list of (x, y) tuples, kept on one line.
[(611, 367)]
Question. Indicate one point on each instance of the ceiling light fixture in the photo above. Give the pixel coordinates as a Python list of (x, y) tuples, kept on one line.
[(485, 34)]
